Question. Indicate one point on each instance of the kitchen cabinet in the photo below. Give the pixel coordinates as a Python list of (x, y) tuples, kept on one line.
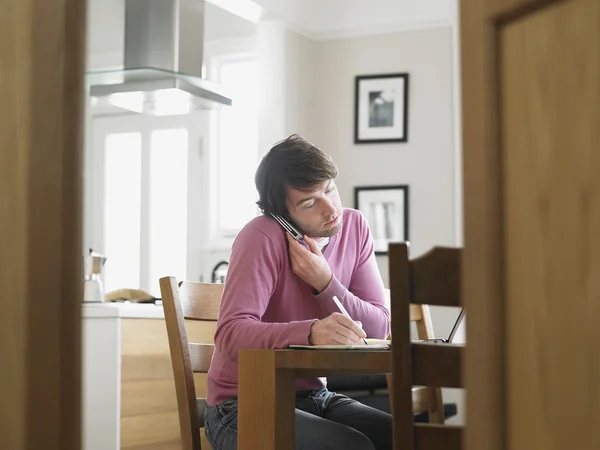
[(129, 397)]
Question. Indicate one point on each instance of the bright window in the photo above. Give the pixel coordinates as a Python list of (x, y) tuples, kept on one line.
[(150, 213), (122, 209), (237, 151), (168, 205)]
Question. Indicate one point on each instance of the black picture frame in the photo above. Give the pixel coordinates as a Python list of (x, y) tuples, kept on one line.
[(389, 222), (381, 108)]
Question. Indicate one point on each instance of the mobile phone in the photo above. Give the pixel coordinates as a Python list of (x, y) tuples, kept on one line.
[(287, 226)]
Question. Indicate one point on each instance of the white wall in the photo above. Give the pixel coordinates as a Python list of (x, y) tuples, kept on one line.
[(287, 73), (105, 34), (426, 161), (309, 89), (300, 79)]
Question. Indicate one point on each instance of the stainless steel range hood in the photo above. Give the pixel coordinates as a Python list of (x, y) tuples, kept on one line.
[(162, 71)]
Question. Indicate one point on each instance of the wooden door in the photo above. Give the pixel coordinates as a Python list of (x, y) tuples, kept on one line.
[(42, 46), (531, 109)]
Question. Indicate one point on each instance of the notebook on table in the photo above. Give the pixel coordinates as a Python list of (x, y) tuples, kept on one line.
[(384, 344), (372, 344)]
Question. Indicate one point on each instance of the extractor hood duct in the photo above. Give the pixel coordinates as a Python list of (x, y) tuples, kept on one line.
[(162, 71)]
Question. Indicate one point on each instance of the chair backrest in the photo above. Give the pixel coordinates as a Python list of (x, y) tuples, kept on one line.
[(192, 301), (200, 301), (432, 279), (420, 315)]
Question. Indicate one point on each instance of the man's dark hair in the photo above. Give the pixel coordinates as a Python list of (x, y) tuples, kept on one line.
[(293, 162)]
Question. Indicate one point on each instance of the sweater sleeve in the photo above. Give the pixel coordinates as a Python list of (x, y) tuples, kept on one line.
[(251, 280), (364, 299)]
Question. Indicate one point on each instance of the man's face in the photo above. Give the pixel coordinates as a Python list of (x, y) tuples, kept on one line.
[(318, 211)]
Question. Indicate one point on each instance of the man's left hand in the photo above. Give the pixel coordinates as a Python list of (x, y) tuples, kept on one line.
[(310, 266)]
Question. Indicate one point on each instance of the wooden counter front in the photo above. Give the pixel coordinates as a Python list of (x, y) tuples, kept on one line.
[(149, 417)]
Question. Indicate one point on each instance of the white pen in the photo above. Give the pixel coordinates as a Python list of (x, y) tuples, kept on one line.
[(344, 312)]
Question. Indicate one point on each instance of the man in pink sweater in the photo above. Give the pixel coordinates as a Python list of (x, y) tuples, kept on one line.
[(280, 292)]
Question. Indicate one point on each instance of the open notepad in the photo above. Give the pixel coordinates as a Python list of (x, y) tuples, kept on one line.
[(373, 344)]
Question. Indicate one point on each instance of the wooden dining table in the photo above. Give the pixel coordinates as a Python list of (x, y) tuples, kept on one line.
[(266, 388)]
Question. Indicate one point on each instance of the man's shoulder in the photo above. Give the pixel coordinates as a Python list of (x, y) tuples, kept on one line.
[(352, 214), (354, 218), (262, 227)]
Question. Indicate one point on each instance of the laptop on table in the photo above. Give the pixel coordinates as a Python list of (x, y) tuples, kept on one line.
[(453, 332)]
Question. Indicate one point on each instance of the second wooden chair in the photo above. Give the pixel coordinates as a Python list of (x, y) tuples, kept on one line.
[(191, 301), (432, 279)]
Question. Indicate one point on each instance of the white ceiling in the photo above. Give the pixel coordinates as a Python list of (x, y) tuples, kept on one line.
[(319, 19), (219, 24), (323, 19), (330, 18)]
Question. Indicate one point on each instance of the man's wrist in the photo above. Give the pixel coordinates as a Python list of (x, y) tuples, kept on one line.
[(310, 341), (321, 287)]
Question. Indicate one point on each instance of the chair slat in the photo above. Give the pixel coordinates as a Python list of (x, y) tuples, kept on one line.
[(416, 315), (201, 356), (180, 360), (432, 279), (200, 408), (434, 437), (192, 301), (200, 301), (435, 277), (422, 399), (437, 364)]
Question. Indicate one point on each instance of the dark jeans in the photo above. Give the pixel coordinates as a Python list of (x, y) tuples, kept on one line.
[(324, 421)]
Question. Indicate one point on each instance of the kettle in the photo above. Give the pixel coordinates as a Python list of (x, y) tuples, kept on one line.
[(93, 291), (219, 272)]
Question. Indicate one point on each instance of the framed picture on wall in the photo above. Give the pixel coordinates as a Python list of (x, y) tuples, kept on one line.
[(381, 108), (386, 210)]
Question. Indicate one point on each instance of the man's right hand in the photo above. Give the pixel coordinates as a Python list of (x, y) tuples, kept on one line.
[(336, 329)]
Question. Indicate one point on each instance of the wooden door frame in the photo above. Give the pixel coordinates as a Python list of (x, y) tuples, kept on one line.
[(42, 67), (483, 289)]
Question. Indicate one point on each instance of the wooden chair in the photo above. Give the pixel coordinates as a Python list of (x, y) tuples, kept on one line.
[(192, 301), (424, 398), (432, 279)]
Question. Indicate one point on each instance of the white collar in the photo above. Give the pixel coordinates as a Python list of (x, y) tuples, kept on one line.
[(322, 243)]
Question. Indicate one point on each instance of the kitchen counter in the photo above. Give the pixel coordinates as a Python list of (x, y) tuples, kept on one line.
[(122, 310), (129, 398), (104, 327)]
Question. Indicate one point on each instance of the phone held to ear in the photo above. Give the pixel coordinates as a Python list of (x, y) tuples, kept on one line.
[(287, 226)]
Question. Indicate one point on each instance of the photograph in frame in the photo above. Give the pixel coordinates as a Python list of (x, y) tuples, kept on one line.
[(386, 210), (381, 108)]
